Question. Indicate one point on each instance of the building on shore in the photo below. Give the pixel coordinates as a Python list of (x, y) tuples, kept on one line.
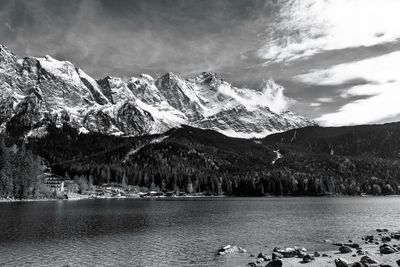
[(70, 186), (54, 183)]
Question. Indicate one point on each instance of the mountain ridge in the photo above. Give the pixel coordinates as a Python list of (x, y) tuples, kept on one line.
[(58, 92)]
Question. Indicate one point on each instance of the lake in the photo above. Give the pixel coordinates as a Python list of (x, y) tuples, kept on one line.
[(181, 231)]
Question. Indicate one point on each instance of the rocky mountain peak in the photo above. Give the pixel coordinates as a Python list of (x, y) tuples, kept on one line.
[(51, 89), (5, 50), (6, 55), (208, 78)]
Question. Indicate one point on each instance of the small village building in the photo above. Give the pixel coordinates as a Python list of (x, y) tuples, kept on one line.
[(141, 194), (155, 194), (54, 183), (70, 186)]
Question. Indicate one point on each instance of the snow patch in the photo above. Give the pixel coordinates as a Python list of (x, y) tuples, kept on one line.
[(63, 69), (37, 133), (245, 135), (137, 149), (278, 155)]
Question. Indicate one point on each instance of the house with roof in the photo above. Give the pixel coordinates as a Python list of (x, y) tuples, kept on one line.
[(54, 183)]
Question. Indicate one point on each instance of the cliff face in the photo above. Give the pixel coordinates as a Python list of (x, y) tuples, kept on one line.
[(39, 91)]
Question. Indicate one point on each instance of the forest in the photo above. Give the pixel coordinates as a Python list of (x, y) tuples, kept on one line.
[(20, 173), (337, 161)]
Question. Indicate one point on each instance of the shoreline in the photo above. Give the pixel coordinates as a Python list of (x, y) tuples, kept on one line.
[(84, 197), (380, 248)]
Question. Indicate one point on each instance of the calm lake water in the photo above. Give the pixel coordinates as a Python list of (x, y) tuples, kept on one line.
[(180, 232)]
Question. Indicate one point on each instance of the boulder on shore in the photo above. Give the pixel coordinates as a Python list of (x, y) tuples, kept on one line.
[(290, 252), (345, 249), (340, 262), (382, 230), (262, 256), (387, 249), (368, 260), (276, 255), (308, 258), (357, 264), (228, 249), (275, 263)]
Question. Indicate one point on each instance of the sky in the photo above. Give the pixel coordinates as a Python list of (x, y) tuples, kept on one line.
[(338, 61)]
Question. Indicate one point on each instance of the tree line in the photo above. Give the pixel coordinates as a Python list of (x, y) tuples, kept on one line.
[(193, 161), (20, 173)]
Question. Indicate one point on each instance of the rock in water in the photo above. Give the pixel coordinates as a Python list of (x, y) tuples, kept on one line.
[(387, 249), (262, 256), (340, 262), (345, 249), (276, 255), (259, 260), (288, 252), (353, 245), (242, 250), (368, 260), (396, 235), (308, 258), (228, 250), (275, 263), (382, 230)]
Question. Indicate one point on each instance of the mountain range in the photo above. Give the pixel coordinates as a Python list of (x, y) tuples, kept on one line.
[(181, 134), (38, 91)]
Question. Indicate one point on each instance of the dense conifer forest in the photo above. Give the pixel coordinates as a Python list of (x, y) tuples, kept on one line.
[(314, 160), (20, 173)]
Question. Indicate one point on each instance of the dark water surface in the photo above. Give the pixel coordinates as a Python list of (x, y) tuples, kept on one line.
[(180, 232)]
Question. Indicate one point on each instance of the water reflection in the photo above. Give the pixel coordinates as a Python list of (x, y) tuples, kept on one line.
[(179, 232)]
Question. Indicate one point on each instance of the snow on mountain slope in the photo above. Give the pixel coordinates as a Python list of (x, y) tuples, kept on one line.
[(38, 91)]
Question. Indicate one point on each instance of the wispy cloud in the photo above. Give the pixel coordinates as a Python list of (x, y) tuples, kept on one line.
[(315, 104), (325, 99), (379, 97), (9, 27), (307, 27), (384, 105), (376, 69), (271, 96)]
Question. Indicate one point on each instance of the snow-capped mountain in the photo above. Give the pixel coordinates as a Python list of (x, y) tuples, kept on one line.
[(37, 91)]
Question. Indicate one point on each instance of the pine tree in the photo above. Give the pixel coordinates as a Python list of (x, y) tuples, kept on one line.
[(6, 182), (124, 181)]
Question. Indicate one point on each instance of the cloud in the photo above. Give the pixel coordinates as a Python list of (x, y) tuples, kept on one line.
[(384, 105), (307, 27), (325, 99), (132, 37), (374, 101), (315, 104), (9, 27), (378, 69), (271, 96)]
